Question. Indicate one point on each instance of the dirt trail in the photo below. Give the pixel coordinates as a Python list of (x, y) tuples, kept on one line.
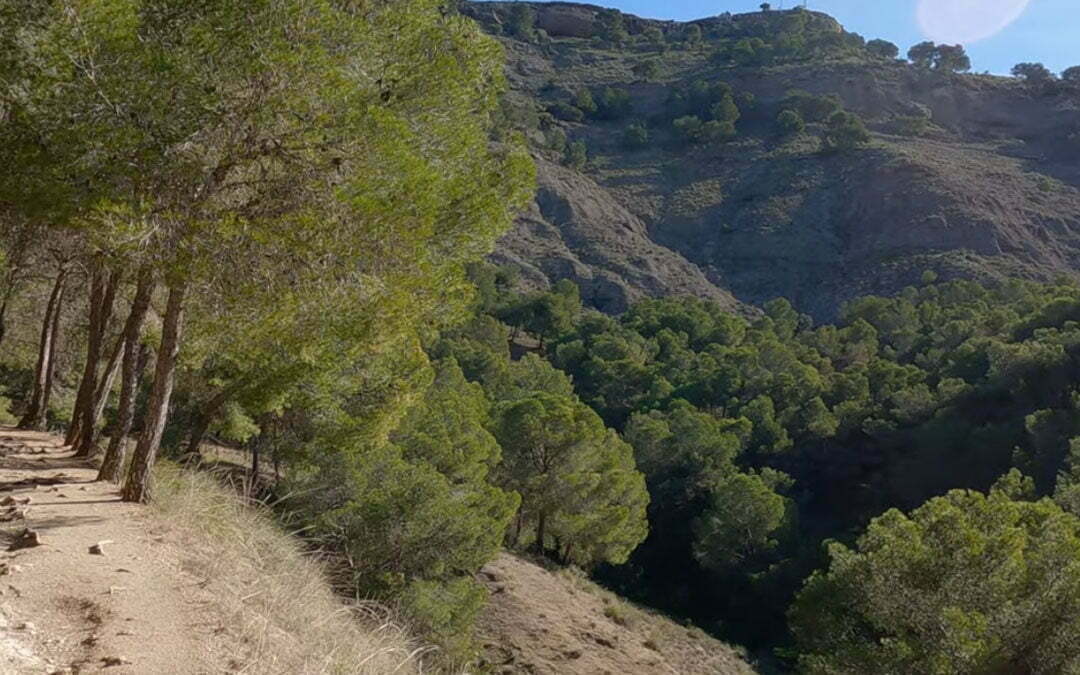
[(64, 609)]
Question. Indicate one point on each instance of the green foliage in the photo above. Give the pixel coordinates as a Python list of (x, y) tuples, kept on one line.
[(647, 71), (812, 108), (691, 35), (399, 520), (6, 417), (968, 583), (740, 522), (790, 123), (1032, 73), (635, 137), (445, 613), (612, 104), (584, 101), (609, 26), (655, 37), (566, 112), (922, 54), (912, 125), (555, 139), (446, 428), (845, 131), (690, 129), (581, 495), (521, 23), (883, 49), (942, 58), (576, 155)]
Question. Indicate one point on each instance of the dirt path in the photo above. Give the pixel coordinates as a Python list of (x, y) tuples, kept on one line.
[(64, 609)]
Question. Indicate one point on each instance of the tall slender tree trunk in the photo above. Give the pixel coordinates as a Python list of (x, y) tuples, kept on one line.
[(129, 379), (3, 318), (137, 486), (102, 297), (89, 436), (50, 373), (38, 407), (541, 527)]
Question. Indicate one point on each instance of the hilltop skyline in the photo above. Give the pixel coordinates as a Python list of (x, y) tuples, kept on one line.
[(1012, 31)]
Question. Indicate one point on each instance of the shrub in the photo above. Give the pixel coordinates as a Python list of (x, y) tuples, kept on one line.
[(576, 155), (609, 26), (556, 140), (790, 122), (636, 136), (692, 34), (912, 125), (1035, 73), (845, 131), (812, 108), (691, 129), (613, 104), (521, 22), (654, 36), (1071, 75), (883, 49), (584, 101), (647, 70), (687, 128), (725, 110), (566, 112)]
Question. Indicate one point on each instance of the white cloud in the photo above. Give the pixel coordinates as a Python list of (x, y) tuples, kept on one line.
[(967, 21)]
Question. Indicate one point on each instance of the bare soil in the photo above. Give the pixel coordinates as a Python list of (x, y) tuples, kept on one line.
[(546, 623), (130, 608)]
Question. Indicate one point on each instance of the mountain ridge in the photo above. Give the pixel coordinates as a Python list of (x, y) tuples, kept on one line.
[(986, 189)]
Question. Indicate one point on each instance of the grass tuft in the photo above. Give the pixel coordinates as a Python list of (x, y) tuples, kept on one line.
[(271, 597)]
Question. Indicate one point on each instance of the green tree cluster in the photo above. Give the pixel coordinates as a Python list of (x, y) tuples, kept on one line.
[(968, 583), (941, 58)]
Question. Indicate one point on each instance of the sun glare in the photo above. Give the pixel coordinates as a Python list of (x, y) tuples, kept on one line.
[(967, 21)]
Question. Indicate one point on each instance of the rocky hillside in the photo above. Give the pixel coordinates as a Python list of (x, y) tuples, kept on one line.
[(963, 175)]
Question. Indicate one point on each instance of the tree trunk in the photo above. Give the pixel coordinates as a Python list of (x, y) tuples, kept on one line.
[(541, 523), (3, 319), (131, 368), (137, 486), (89, 436), (50, 374), (256, 448), (36, 411), (198, 432), (102, 291), (517, 528)]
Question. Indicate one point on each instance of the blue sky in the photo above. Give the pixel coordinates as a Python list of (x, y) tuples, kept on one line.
[(1040, 30)]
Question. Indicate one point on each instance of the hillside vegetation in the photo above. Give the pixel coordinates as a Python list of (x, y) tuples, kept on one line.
[(272, 224), (972, 176)]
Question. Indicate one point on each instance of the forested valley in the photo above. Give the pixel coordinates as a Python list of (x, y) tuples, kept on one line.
[(266, 224)]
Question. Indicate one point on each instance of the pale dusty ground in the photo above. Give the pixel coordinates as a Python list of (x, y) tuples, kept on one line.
[(65, 610), (542, 623)]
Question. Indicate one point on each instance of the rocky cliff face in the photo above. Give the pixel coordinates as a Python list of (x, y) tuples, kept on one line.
[(986, 187)]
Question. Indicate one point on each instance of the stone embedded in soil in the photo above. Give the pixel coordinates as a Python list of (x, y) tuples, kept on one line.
[(27, 539)]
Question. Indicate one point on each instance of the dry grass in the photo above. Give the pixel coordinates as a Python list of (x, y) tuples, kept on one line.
[(271, 597)]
